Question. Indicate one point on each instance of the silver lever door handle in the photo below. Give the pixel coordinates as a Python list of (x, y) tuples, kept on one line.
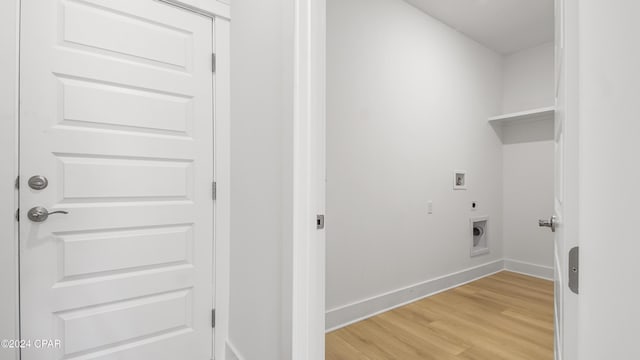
[(40, 214), (551, 223)]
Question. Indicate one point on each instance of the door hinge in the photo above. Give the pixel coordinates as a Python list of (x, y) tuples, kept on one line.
[(574, 270), (213, 62), (18, 215), (320, 222), (18, 182), (214, 190), (213, 318)]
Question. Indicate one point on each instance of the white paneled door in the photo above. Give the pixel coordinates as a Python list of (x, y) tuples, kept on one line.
[(116, 112)]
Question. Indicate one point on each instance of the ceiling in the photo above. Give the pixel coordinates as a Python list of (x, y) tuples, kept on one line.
[(505, 26)]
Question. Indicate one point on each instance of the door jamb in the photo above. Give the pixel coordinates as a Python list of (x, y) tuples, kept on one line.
[(222, 174), (9, 66), (9, 125), (308, 245)]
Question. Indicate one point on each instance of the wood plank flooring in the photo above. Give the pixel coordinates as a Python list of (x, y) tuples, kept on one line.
[(506, 316)]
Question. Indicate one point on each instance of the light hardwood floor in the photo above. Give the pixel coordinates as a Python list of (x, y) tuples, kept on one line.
[(506, 316)]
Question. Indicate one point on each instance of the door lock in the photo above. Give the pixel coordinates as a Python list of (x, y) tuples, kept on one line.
[(551, 223), (38, 182), (40, 214)]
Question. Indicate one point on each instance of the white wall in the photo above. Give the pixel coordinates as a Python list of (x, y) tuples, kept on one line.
[(528, 196), (528, 162), (609, 176), (528, 79), (408, 102), (259, 324)]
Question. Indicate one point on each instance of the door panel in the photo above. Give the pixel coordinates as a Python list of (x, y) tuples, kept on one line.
[(117, 113), (99, 106)]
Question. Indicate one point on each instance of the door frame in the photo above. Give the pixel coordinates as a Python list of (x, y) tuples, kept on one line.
[(308, 249), (220, 14), (307, 252), (9, 35), (568, 72)]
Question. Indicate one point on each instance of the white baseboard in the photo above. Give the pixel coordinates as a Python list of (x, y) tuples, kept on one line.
[(349, 314), (232, 353), (535, 270)]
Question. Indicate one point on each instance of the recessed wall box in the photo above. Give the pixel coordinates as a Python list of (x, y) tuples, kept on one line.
[(479, 235), (459, 180)]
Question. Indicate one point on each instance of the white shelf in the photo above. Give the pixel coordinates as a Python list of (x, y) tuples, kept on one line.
[(535, 114)]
